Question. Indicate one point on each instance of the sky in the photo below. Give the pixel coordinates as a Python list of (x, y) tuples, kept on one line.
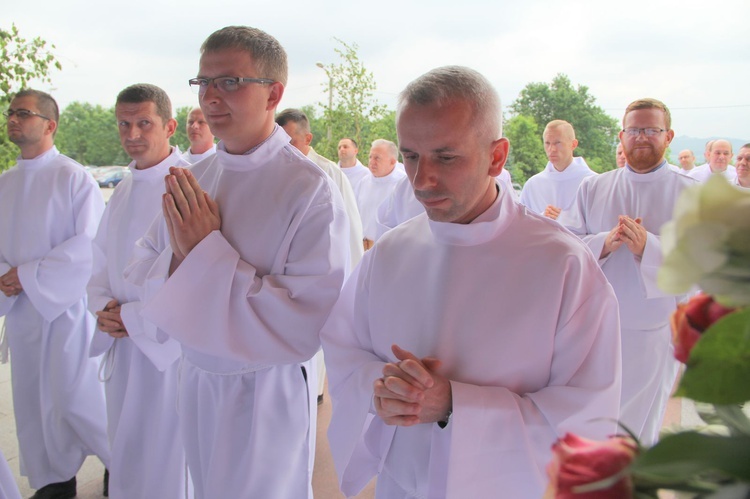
[(692, 55)]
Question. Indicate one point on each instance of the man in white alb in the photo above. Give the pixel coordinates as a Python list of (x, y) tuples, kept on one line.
[(719, 157), (375, 188), (45, 263), (140, 371), (355, 171), (620, 156), (619, 214), (479, 386), (200, 137), (687, 161), (297, 126), (242, 270), (552, 191)]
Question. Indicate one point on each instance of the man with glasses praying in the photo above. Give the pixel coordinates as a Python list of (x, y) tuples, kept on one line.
[(52, 208), (242, 270), (619, 214)]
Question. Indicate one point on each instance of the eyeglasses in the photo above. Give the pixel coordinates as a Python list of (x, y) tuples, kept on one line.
[(225, 84), (648, 132), (23, 114)]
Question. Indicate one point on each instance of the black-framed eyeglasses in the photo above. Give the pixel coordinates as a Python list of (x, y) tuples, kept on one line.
[(23, 114), (224, 83), (648, 132)]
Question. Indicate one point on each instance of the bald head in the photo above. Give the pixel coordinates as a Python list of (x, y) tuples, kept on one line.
[(687, 159), (720, 154), (559, 142)]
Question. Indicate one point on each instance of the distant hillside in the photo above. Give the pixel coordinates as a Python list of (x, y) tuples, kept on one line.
[(697, 145)]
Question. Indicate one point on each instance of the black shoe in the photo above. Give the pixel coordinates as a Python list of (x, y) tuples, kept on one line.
[(59, 490), (105, 492)]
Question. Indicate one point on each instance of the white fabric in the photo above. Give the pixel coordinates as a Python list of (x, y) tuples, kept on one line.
[(247, 305), (355, 173), (371, 192), (52, 208), (648, 366), (505, 179), (147, 455), (191, 158), (8, 487), (703, 172), (556, 188), (398, 207), (356, 249), (519, 379)]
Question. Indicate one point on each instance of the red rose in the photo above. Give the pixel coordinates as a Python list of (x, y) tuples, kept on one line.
[(577, 461), (691, 319)]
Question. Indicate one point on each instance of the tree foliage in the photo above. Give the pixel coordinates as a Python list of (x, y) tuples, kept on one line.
[(88, 134), (21, 61), (353, 110), (596, 131), (526, 148), (180, 137)]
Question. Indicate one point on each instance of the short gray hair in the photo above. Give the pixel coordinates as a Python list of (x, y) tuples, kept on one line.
[(456, 83), (389, 146), (267, 53), (291, 115)]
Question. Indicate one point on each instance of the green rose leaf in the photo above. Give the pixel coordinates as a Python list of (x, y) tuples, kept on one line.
[(685, 457), (718, 369)]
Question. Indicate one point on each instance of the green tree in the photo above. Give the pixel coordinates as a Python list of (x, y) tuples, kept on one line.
[(596, 131), (527, 156), (88, 134), (353, 109), (180, 138), (21, 61)]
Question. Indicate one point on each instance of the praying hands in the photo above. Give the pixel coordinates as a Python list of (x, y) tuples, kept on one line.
[(629, 232), (411, 391), (190, 213)]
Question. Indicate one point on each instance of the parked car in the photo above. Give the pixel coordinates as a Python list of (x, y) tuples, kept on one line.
[(110, 176)]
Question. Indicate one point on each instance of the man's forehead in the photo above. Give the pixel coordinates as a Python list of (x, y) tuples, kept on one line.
[(225, 61), (196, 114), (145, 109), (26, 102), (721, 145), (652, 115)]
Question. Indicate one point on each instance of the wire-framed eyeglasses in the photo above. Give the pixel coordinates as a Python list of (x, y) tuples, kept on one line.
[(225, 84)]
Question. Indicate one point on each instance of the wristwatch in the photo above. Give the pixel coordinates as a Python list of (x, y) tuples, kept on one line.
[(446, 419)]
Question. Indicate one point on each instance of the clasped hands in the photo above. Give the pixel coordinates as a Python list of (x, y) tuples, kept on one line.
[(109, 320), (629, 232), (10, 285), (189, 211), (411, 391), (552, 212)]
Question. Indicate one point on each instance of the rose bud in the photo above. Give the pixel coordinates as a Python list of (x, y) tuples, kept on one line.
[(578, 461), (691, 319)]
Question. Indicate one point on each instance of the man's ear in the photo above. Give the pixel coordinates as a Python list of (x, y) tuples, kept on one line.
[(308, 138), (171, 127), (51, 126), (274, 96), (499, 153)]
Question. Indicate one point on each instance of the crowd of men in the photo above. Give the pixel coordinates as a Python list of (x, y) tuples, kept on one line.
[(176, 334)]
